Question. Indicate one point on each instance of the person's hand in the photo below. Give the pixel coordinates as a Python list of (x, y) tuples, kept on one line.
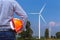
[(19, 31)]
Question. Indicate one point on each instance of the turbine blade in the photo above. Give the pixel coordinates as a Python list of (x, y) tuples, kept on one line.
[(42, 8), (43, 19), (34, 13)]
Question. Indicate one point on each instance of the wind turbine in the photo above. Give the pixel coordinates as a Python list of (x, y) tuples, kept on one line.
[(40, 16), (51, 24)]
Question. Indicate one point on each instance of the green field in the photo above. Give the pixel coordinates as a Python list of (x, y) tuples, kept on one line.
[(37, 39)]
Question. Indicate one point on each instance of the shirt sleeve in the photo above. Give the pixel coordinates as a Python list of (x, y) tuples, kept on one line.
[(19, 11)]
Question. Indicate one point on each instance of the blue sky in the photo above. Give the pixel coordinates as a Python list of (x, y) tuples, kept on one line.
[(51, 13)]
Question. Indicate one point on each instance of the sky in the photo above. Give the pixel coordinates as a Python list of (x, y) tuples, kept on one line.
[(51, 14)]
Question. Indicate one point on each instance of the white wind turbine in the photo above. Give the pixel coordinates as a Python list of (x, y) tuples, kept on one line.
[(40, 16)]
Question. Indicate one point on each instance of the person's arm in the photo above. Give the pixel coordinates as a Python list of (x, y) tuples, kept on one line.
[(19, 11)]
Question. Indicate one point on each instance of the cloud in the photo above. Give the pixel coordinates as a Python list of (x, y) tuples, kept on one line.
[(52, 23)]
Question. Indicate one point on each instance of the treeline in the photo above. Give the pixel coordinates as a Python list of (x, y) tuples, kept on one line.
[(57, 35)]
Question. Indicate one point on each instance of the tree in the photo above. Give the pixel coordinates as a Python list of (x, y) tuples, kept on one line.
[(58, 34), (28, 33), (46, 33)]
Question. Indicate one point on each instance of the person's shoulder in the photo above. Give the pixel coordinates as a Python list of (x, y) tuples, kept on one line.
[(13, 1), (10, 1)]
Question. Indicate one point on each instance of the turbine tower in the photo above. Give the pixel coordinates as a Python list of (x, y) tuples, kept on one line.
[(40, 16)]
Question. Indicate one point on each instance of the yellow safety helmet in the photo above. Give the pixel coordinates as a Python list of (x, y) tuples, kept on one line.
[(17, 24)]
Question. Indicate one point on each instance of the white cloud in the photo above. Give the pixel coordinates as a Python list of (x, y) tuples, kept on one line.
[(52, 23)]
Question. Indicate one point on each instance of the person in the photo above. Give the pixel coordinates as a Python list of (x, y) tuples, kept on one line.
[(7, 9)]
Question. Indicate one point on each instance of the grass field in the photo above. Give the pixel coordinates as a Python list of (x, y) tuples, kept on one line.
[(49, 39), (37, 39)]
